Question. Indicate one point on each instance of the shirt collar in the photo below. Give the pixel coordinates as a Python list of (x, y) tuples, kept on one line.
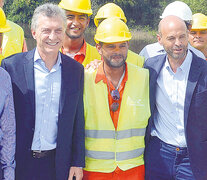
[(100, 75), (185, 66), (38, 59)]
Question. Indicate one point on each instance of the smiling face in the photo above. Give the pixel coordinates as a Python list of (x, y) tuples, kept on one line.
[(76, 24), (198, 39), (49, 34), (113, 54), (174, 38)]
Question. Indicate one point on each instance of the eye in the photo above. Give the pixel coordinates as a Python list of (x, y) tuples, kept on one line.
[(58, 31), (46, 31), (122, 46), (70, 17)]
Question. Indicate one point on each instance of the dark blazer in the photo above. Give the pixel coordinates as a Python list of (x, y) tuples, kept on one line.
[(195, 110), (70, 150)]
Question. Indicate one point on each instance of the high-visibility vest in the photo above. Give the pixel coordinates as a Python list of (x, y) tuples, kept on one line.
[(107, 148), (135, 59), (91, 54), (12, 40)]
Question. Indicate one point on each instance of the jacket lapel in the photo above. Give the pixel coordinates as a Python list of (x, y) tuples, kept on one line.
[(29, 76), (66, 81), (193, 77), (155, 68)]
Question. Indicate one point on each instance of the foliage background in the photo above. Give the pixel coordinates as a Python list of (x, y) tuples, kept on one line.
[(138, 12), (142, 17)]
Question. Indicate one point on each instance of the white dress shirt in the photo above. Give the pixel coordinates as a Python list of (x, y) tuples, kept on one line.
[(170, 98), (47, 97)]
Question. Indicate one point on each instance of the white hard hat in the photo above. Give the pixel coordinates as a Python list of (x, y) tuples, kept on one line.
[(178, 8)]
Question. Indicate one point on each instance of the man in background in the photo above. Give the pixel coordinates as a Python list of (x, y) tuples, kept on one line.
[(75, 45), (198, 33), (181, 10), (113, 10), (13, 41)]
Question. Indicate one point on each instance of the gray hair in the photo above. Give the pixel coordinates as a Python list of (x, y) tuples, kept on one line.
[(49, 10)]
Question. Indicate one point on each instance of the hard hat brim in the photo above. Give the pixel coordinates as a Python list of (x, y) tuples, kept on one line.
[(88, 12), (111, 39)]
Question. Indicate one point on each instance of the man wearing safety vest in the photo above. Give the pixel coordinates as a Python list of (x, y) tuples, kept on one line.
[(116, 105), (75, 46), (13, 41), (198, 33), (113, 10), (4, 27)]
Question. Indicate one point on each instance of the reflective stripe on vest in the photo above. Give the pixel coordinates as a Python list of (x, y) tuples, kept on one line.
[(110, 134), (120, 156)]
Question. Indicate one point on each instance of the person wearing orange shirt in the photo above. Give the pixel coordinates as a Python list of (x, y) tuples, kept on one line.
[(198, 33), (116, 105), (75, 45)]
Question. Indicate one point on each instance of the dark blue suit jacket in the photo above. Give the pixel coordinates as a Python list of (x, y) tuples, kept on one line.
[(70, 149), (195, 110)]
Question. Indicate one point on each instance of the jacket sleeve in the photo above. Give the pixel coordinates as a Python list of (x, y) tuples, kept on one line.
[(78, 144), (7, 130)]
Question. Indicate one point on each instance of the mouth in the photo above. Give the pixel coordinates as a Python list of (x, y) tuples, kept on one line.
[(75, 29), (198, 41), (178, 50), (51, 44)]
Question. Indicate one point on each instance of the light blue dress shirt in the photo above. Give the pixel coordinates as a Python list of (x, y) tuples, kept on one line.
[(155, 49), (47, 97), (7, 126), (170, 98)]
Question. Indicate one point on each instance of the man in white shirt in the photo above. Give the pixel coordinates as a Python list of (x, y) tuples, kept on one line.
[(181, 10), (176, 134)]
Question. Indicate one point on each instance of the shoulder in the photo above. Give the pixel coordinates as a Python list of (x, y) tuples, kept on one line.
[(14, 26), (68, 61), (4, 75), (151, 62), (15, 58), (5, 80), (136, 69)]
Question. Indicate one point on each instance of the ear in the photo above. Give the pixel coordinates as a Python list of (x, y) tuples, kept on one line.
[(33, 33), (88, 21), (159, 39), (98, 47)]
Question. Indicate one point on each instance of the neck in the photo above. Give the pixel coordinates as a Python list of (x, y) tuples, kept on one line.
[(205, 52), (113, 74), (175, 63), (72, 46), (49, 59)]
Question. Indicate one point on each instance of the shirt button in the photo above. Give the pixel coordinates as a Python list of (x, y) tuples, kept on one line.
[(177, 149)]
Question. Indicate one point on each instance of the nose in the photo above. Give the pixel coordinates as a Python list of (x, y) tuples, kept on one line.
[(52, 35), (75, 20), (178, 42)]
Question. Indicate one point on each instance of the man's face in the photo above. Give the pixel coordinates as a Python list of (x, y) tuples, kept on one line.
[(76, 24), (1, 3), (49, 34), (175, 41), (114, 54), (198, 39)]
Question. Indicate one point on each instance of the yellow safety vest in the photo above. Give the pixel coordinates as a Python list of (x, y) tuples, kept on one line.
[(107, 148), (12, 40), (91, 54), (135, 59)]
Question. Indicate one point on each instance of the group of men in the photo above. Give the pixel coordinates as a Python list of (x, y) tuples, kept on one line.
[(116, 121)]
